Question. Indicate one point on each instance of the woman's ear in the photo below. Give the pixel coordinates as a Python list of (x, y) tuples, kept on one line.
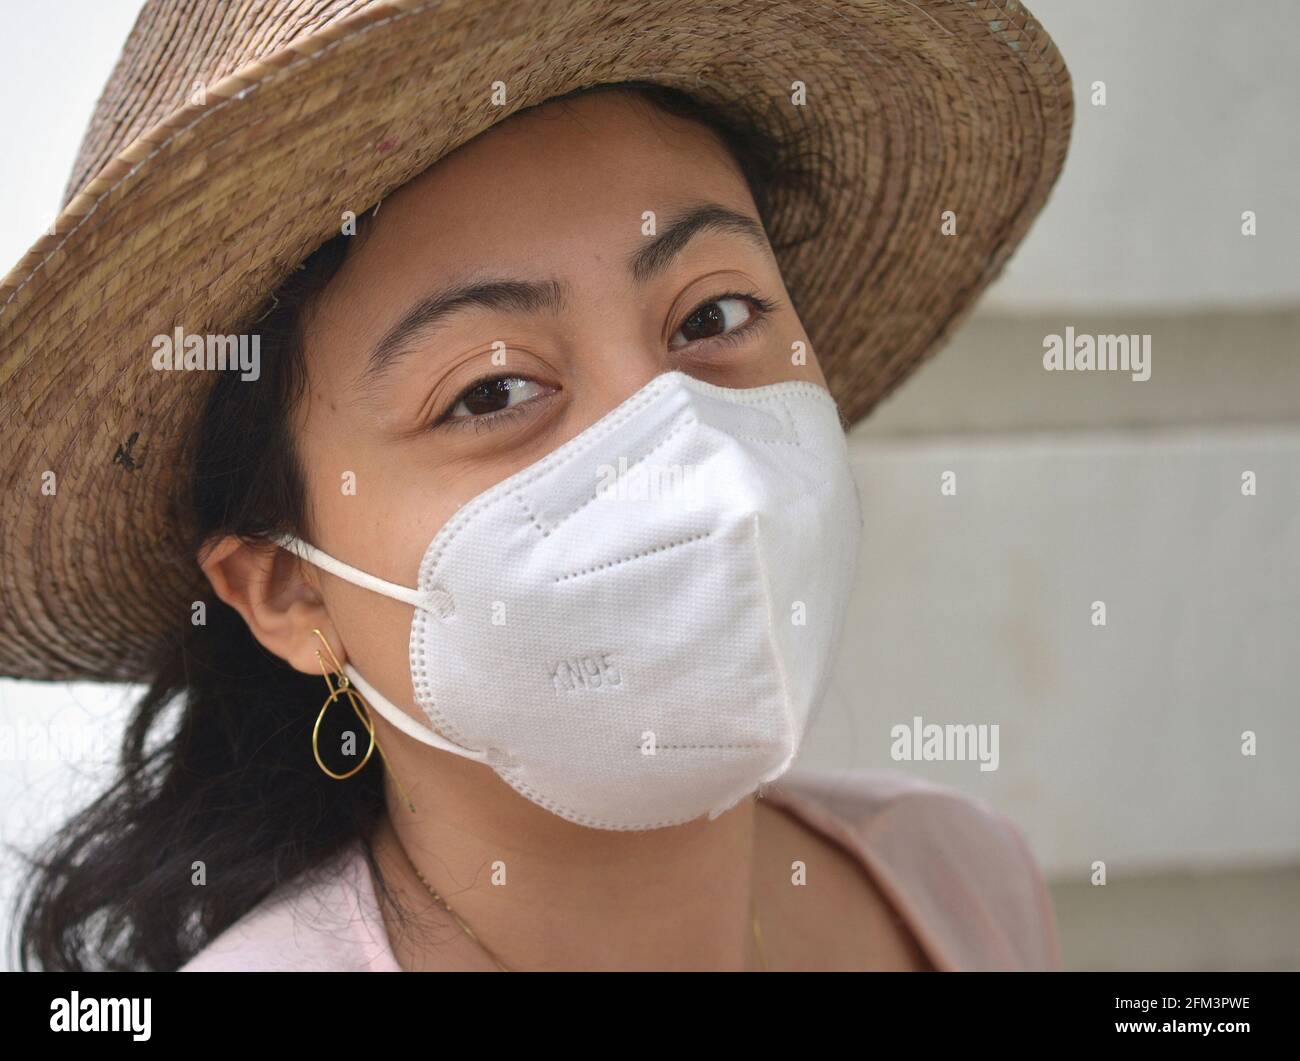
[(268, 586)]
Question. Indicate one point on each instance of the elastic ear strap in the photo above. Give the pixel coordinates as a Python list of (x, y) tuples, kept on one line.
[(374, 697), (349, 573), (405, 722)]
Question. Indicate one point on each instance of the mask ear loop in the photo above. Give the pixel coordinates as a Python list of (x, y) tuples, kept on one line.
[(344, 687), (349, 573), (359, 686)]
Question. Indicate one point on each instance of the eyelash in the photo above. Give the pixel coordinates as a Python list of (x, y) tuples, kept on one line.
[(762, 305), (485, 421), (490, 421)]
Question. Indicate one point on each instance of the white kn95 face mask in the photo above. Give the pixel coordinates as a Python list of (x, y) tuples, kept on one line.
[(638, 628)]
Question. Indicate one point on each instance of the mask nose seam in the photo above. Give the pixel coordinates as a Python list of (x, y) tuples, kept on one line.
[(685, 421), (589, 437)]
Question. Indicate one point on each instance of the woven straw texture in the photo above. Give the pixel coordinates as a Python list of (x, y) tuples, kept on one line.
[(188, 213)]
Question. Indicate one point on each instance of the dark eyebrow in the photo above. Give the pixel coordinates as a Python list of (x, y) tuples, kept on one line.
[(518, 296), (537, 296), (652, 259)]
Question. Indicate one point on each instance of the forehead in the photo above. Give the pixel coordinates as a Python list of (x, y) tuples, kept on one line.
[(560, 168), (562, 189)]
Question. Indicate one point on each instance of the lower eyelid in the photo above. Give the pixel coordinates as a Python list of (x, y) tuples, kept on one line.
[(744, 331)]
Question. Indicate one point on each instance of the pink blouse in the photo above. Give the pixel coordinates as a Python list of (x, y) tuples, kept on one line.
[(958, 873)]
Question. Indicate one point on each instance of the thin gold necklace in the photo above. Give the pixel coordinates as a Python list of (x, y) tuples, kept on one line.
[(758, 935)]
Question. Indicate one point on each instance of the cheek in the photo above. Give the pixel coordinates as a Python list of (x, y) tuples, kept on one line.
[(378, 516), (376, 633), (802, 359), (784, 354), (361, 529), (815, 373)]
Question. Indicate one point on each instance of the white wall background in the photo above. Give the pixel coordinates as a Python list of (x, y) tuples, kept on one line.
[(1119, 743), (1199, 125)]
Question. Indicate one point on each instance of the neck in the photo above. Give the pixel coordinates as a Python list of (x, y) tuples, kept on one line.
[(542, 893)]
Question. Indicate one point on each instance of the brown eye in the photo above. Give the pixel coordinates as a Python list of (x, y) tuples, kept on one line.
[(721, 318), (490, 401), (714, 318)]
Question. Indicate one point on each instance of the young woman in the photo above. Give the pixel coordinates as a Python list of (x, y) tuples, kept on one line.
[(526, 523)]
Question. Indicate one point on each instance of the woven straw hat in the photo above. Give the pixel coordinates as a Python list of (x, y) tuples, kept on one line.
[(187, 211)]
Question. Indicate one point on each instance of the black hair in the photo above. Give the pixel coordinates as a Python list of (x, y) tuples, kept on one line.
[(216, 764)]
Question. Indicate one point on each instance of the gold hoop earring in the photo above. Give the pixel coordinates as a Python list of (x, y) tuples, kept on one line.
[(344, 687), (341, 688)]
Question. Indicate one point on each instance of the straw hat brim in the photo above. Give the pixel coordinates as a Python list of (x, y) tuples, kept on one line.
[(923, 107)]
